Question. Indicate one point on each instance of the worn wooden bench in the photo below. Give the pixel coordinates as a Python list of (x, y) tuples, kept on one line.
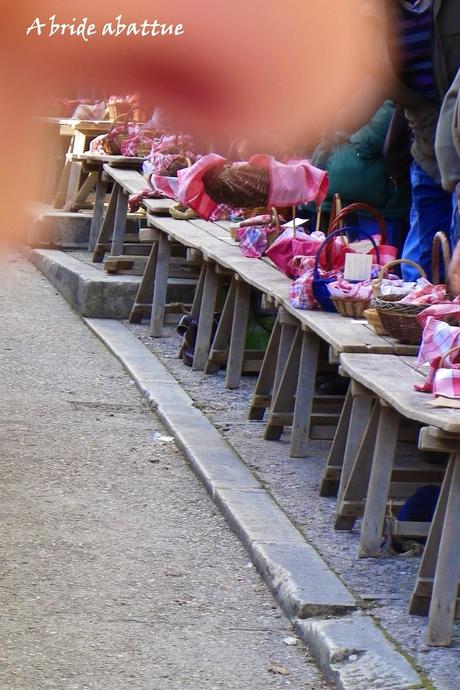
[(92, 165), (388, 383), (112, 231), (80, 133), (222, 262), (287, 379)]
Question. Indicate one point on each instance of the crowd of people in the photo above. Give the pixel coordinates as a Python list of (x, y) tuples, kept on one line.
[(405, 155)]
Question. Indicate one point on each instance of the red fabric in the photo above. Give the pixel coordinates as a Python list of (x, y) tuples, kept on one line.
[(438, 338), (301, 290), (286, 247)]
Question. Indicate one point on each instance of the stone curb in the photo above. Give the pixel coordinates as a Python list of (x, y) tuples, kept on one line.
[(57, 228), (355, 654), (89, 291), (350, 649), (92, 293)]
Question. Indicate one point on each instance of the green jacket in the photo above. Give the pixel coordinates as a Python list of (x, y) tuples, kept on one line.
[(356, 167)]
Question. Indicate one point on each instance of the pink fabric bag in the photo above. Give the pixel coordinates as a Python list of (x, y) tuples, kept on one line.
[(290, 244)]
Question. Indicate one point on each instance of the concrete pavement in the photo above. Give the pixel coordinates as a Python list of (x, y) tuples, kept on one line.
[(119, 572)]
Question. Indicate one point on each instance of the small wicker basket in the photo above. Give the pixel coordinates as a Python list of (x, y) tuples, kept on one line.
[(350, 306), (121, 108), (398, 318), (180, 212), (374, 320), (238, 185)]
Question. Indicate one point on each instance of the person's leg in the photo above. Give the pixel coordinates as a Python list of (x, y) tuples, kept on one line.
[(431, 211)]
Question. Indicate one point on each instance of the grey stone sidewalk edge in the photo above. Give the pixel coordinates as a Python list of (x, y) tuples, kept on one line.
[(348, 646), (89, 291)]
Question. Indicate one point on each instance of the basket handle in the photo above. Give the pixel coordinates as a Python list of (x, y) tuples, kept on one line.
[(446, 354), (335, 233), (360, 206), (397, 262), (124, 119), (440, 246), (276, 218)]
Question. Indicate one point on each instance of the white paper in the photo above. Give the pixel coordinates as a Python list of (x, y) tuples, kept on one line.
[(358, 267), (298, 223)]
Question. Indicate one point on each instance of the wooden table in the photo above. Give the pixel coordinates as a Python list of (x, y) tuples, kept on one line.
[(80, 133), (389, 381), (287, 377)]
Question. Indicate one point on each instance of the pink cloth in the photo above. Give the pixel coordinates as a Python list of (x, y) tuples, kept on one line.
[(135, 200), (440, 311), (190, 185), (301, 290), (294, 182), (343, 288), (429, 294), (167, 185), (437, 338), (447, 381), (225, 212), (253, 240), (286, 246)]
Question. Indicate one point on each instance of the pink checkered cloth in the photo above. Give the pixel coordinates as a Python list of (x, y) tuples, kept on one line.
[(135, 200), (301, 290), (438, 338), (440, 311), (253, 240)]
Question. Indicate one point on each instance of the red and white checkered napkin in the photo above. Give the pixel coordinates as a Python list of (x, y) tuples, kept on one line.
[(443, 377), (447, 382)]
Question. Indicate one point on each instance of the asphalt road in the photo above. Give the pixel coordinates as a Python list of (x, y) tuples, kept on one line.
[(118, 573)]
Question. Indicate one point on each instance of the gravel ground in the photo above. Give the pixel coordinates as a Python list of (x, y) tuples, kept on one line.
[(118, 571), (384, 585)]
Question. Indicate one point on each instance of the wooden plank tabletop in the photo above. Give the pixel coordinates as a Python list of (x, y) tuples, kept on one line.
[(157, 205), (89, 157), (206, 237), (342, 334), (130, 180), (392, 378)]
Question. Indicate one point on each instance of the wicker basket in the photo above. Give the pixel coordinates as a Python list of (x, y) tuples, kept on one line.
[(320, 285), (111, 144), (180, 212), (349, 306), (251, 212), (398, 318), (121, 108), (374, 320), (238, 185), (440, 247)]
